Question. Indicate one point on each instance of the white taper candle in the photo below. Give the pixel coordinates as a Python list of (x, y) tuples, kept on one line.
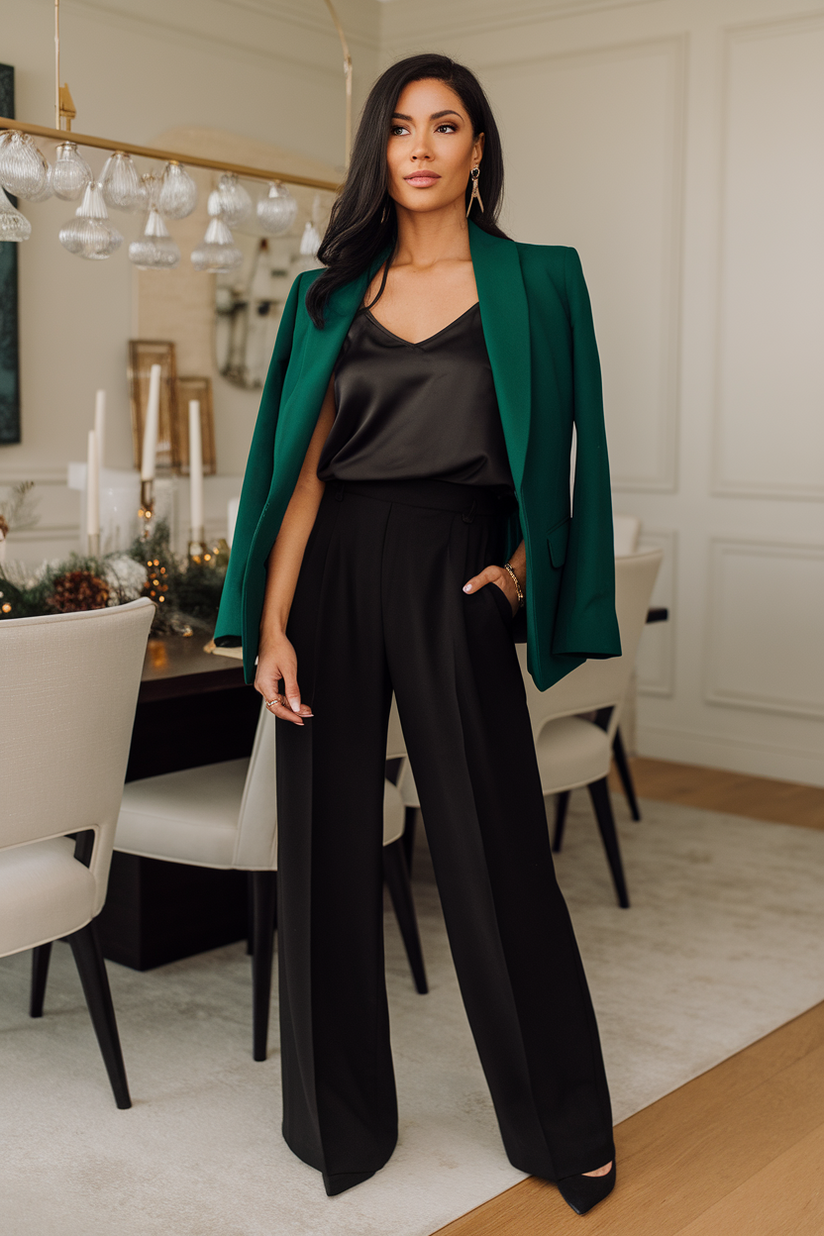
[(100, 426), (150, 429), (92, 488), (195, 466)]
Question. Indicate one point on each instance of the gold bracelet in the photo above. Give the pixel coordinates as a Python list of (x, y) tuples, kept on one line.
[(518, 588)]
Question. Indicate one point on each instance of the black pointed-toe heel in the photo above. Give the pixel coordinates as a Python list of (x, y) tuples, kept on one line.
[(584, 1192)]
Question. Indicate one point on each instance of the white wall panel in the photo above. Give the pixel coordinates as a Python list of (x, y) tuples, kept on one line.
[(593, 148), (638, 132), (655, 667), (765, 627), (770, 398)]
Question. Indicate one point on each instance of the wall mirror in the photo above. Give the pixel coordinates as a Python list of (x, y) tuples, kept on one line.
[(249, 301)]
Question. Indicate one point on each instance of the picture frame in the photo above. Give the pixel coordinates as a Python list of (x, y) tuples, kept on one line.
[(200, 389), (143, 353), (9, 319)]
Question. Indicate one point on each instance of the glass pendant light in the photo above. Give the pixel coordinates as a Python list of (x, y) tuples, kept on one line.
[(156, 250), (178, 192), (48, 190), (217, 252), (310, 240), (23, 170), (13, 225), (89, 234), (120, 182), (71, 172), (149, 189), (277, 210), (235, 202)]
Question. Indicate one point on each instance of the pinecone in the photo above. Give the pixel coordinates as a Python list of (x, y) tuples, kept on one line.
[(78, 590)]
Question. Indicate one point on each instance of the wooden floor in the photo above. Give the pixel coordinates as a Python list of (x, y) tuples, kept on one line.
[(759, 798), (738, 1151)]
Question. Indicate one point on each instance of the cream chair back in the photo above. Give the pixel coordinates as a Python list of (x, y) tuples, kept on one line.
[(625, 530), (601, 684), (257, 829), (395, 741), (68, 692)]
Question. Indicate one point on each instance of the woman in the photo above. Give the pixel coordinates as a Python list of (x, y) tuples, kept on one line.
[(405, 508)]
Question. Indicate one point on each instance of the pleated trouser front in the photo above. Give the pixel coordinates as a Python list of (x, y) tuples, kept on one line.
[(379, 607)]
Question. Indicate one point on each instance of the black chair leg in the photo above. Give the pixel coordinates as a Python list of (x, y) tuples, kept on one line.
[(250, 918), (40, 959), (408, 837), (561, 804), (625, 773), (88, 957), (264, 915), (599, 793), (396, 874)]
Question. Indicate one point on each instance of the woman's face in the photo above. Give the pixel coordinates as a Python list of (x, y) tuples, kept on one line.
[(431, 148)]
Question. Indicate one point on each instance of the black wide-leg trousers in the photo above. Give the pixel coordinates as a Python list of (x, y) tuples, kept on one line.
[(379, 607)]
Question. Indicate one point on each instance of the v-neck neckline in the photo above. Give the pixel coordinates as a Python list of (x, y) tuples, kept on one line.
[(419, 344)]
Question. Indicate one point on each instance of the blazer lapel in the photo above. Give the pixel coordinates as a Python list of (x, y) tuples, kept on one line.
[(320, 351), (505, 321)]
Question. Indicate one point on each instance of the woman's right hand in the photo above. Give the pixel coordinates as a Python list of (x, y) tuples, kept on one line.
[(276, 661)]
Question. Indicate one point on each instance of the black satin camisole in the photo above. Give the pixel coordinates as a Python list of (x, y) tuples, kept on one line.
[(413, 410)]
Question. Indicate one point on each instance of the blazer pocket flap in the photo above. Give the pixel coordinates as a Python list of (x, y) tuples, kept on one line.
[(557, 541)]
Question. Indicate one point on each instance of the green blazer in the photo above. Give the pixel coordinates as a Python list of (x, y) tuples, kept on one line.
[(538, 329)]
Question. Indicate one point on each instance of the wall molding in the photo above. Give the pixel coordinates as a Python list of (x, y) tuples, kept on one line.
[(490, 16), (13, 474), (756, 701), (200, 38), (720, 485), (664, 593), (718, 750), (785, 491), (45, 532), (676, 47)]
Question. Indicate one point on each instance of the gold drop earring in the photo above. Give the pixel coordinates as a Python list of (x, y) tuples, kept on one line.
[(475, 176)]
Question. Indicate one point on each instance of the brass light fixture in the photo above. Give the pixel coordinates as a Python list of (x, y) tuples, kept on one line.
[(16, 140)]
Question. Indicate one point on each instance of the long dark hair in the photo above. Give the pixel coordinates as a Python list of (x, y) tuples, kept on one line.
[(363, 223)]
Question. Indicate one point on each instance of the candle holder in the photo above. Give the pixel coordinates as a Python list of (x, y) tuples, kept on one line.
[(197, 544), (145, 512)]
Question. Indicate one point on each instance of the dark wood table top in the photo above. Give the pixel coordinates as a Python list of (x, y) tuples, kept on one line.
[(177, 665)]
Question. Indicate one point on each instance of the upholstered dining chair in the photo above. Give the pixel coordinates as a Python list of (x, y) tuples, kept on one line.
[(572, 750), (400, 773), (626, 530), (223, 815), (68, 692)]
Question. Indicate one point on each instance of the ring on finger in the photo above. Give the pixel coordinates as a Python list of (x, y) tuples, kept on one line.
[(272, 703)]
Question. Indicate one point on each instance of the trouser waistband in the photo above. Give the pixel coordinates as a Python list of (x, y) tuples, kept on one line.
[(468, 500)]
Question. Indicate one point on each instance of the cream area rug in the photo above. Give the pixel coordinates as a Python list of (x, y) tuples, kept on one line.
[(724, 942)]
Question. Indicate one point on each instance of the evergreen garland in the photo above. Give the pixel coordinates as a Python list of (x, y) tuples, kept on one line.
[(186, 591)]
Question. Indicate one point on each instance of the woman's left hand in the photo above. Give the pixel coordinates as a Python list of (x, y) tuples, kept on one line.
[(498, 578)]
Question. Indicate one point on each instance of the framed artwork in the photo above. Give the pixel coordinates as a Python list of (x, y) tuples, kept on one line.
[(200, 389), (9, 330), (143, 353)]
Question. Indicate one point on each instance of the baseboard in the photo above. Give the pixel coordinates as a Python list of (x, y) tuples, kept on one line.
[(733, 754)]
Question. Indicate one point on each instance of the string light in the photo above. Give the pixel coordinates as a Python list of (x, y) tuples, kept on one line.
[(156, 586)]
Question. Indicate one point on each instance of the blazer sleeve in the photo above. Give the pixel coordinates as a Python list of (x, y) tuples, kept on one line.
[(257, 479), (585, 624)]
